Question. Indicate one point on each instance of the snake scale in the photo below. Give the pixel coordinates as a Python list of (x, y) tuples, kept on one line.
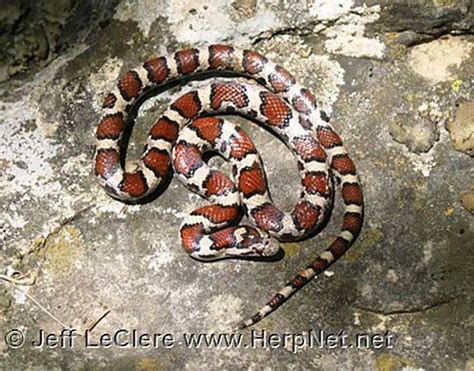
[(189, 127)]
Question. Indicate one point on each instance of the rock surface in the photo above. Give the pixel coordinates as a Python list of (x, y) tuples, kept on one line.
[(467, 200), (461, 129), (417, 134), (394, 76)]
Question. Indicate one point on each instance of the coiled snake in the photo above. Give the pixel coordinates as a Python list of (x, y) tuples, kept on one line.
[(188, 128)]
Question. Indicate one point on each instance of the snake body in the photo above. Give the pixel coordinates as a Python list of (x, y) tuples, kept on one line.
[(188, 128)]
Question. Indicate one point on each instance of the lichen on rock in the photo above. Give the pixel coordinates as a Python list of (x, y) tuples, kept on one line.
[(461, 129)]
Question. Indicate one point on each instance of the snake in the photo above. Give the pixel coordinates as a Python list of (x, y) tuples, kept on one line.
[(254, 87)]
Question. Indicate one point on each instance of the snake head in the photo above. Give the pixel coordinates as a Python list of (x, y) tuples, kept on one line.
[(264, 246), (271, 248), (242, 242)]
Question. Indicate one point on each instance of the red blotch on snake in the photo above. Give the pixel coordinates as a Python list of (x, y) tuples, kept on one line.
[(187, 158), (111, 127), (188, 105), (253, 62), (281, 80), (134, 184), (274, 109), (187, 61), (130, 85), (316, 183), (109, 101), (339, 247), (217, 184), (252, 181), (208, 128), (305, 102), (165, 129), (189, 236), (305, 215), (268, 217), (352, 194), (309, 149), (217, 213), (352, 222), (107, 162), (343, 164), (328, 138), (157, 161), (228, 93), (157, 68), (223, 238), (221, 57), (241, 145)]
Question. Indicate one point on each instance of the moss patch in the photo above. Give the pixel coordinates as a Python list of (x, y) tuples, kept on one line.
[(62, 251)]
